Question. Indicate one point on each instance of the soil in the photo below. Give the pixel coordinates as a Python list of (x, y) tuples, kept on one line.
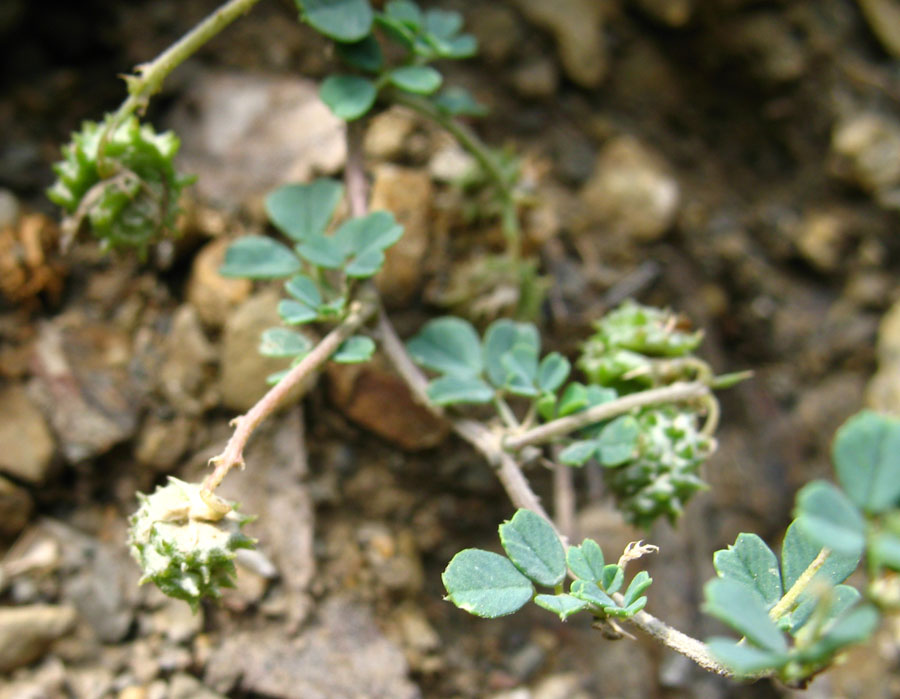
[(736, 160)]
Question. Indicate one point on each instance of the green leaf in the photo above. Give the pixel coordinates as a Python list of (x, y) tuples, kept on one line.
[(421, 80), (304, 290), (744, 659), (553, 372), (322, 251), (564, 605), (866, 454), (364, 239), (574, 398), (740, 607), (589, 592), (365, 265), (404, 11), (830, 519), (638, 584), (751, 562), (296, 313), (534, 547), (304, 210), (500, 337), (578, 453), (448, 345), (341, 20), (485, 584), (800, 549), (258, 257), (884, 550), (457, 101), (365, 55), (354, 350), (397, 31), (854, 627), (612, 577), (444, 24), (521, 365), (348, 96), (633, 608), (841, 599), (546, 405), (281, 342), (586, 561), (617, 442), (452, 389), (462, 46)]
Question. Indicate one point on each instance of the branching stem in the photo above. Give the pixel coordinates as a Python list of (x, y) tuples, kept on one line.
[(675, 393)]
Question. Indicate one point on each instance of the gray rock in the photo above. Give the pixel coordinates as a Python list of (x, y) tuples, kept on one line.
[(577, 27), (245, 135), (26, 445), (184, 686), (212, 295), (27, 632), (632, 192), (184, 379), (342, 656), (537, 78)]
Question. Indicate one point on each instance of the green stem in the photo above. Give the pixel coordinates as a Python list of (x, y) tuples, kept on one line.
[(786, 603), (467, 138)]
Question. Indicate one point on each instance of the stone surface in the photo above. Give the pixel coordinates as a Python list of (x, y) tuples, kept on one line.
[(184, 686), (185, 376), (245, 135), (821, 237), (537, 78), (388, 133), (407, 194), (211, 294), (161, 442), (883, 17), (674, 13), (379, 400), (243, 370), (26, 445), (27, 632), (865, 150), (883, 390), (342, 656), (16, 505), (631, 192), (577, 27), (82, 384)]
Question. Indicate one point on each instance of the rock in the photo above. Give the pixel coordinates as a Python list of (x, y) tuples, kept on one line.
[(185, 377), (865, 149), (16, 505), (631, 192), (27, 632), (82, 384), (26, 445), (243, 369), (673, 13), (577, 27), (161, 443), (450, 162), (388, 133), (537, 78), (9, 208), (184, 686), (407, 194), (50, 679), (883, 390), (821, 237), (342, 656), (883, 17), (498, 30), (769, 45), (212, 295), (175, 621), (244, 135), (380, 401)]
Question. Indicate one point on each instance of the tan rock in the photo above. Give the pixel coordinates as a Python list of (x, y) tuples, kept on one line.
[(26, 445), (407, 194), (388, 133), (211, 294), (380, 401), (185, 376), (883, 391), (865, 149), (16, 505), (26, 632), (577, 26), (632, 191), (674, 13), (820, 239)]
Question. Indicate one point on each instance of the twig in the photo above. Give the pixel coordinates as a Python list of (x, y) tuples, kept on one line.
[(233, 455), (564, 497), (677, 392)]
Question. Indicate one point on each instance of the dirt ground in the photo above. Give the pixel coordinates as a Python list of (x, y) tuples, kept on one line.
[(737, 160)]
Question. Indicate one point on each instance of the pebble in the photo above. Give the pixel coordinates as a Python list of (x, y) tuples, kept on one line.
[(537, 78), (27, 632), (821, 237), (865, 149), (388, 133), (26, 445), (631, 192), (578, 28), (16, 506), (883, 390), (185, 377), (212, 295), (498, 29)]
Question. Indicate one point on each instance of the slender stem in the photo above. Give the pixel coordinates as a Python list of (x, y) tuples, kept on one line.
[(677, 392), (233, 455), (790, 598), (354, 170), (470, 141), (564, 498), (505, 412)]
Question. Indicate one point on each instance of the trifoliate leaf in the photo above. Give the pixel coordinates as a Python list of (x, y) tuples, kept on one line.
[(348, 96), (740, 607), (305, 290), (421, 80), (866, 455), (564, 605), (301, 211), (751, 562), (452, 389), (341, 20), (322, 251), (448, 345), (521, 365), (586, 561), (500, 337), (829, 518), (259, 257), (281, 342), (354, 350), (534, 547), (295, 312), (404, 11), (365, 55), (486, 584), (589, 592), (553, 372), (443, 23)]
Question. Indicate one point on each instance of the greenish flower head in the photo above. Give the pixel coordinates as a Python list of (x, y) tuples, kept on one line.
[(185, 540), (124, 183), (665, 474)]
